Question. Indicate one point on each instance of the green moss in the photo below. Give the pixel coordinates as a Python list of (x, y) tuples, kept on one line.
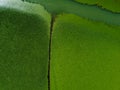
[(112, 5), (85, 55), (24, 46)]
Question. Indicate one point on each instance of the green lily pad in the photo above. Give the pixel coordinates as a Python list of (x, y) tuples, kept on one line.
[(24, 46)]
